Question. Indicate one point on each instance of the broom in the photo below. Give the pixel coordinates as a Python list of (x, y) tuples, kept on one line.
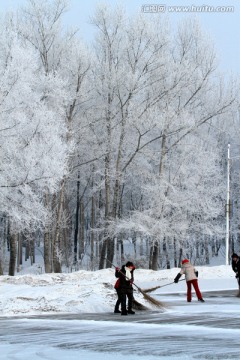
[(138, 306), (157, 287), (151, 289), (146, 296), (149, 298)]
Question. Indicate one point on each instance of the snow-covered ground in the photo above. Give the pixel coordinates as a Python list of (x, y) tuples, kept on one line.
[(91, 292), (86, 299)]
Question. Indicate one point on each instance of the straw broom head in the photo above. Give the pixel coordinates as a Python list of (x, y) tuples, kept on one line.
[(138, 306), (151, 289), (151, 299)]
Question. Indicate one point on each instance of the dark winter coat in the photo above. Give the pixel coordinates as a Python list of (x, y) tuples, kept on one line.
[(236, 267), (123, 283)]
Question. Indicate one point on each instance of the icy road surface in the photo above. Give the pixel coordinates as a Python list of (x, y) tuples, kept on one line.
[(184, 331)]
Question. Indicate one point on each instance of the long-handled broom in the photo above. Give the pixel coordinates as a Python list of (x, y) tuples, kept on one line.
[(146, 297), (138, 306), (149, 298), (159, 286)]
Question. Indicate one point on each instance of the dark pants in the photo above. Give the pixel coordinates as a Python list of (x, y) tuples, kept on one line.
[(118, 302), (125, 293)]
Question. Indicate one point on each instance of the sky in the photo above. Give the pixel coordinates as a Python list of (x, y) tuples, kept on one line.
[(219, 18)]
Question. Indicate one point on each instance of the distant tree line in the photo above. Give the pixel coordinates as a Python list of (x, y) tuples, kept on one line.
[(115, 149)]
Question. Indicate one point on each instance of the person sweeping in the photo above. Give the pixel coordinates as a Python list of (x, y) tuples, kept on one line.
[(190, 273), (124, 288), (236, 269)]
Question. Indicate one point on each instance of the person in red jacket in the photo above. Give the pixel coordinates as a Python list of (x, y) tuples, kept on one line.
[(124, 288), (116, 287), (191, 279)]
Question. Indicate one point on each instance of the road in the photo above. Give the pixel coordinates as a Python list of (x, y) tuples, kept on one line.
[(213, 333)]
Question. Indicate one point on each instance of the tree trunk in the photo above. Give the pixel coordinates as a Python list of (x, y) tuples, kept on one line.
[(2, 247), (67, 247), (103, 255), (165, 249), (175, 251), (56, 240), (82, 233), (46, 241), (47, 253), (163, 153), (110, 251), (107, 187), (3, 243), (32, 250), (206, 250), (8, 235), (232, 244), (155, 250), (27, 250), (19, 253), (21, 248), (76, 221), (13, 254), (122, 250), (150, 257), (180, 257), (118, 174), (155, 255), (197, 248), (141, 246), (92, 231), (1, 267)]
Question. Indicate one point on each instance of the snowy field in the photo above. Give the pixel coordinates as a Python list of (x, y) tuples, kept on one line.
[(70, 316)]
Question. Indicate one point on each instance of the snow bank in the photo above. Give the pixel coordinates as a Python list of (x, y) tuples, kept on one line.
[(91, 292)]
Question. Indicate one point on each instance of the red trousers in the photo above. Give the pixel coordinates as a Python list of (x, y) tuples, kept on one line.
[(196, 288)]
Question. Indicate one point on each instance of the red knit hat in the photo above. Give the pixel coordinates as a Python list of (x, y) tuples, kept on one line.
[(185, 261)]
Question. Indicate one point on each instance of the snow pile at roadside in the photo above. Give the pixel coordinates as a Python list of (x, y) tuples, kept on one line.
[(92, 292)]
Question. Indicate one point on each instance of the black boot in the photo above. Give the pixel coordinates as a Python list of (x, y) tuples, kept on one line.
[(201, 300), (131, 312), (117, 311)]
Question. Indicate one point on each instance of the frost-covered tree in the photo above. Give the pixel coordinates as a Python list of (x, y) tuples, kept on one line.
[(60, 53), (32, 146), (33, 149), (154, 89), (127, 54)]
